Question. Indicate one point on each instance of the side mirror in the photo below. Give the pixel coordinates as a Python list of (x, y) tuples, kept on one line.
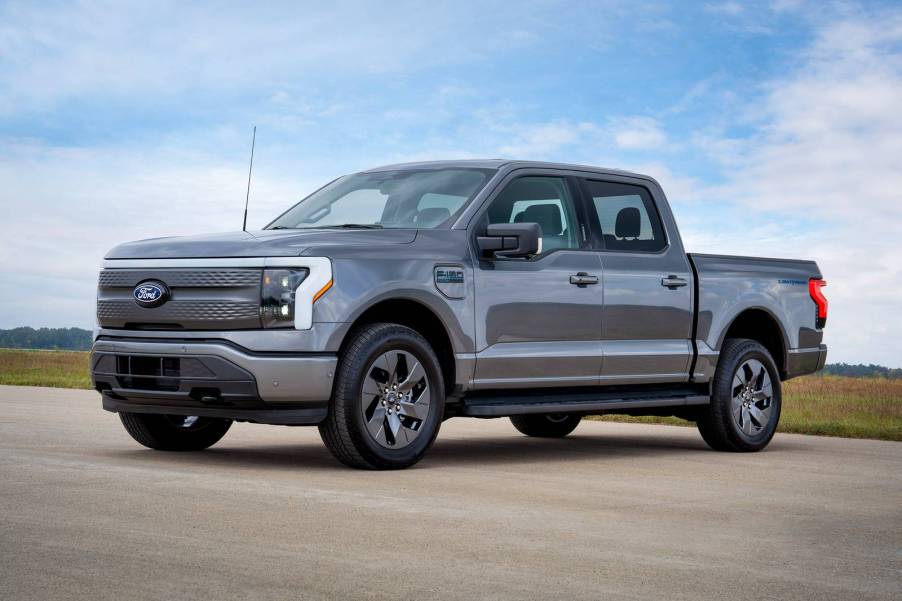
[(511, 240)]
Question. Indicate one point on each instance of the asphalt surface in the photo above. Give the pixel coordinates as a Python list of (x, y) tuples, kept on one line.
[(615, 511)]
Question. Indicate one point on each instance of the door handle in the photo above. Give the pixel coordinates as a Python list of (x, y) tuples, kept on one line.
[(673, 282), (583, 279)]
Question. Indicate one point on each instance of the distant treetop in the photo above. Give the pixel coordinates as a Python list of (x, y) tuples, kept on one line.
[(859, 370), (64, 339)]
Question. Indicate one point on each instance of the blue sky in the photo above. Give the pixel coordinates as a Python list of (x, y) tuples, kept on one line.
[(774, 126)]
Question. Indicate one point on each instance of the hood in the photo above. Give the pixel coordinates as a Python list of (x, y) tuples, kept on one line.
[(263, 243)]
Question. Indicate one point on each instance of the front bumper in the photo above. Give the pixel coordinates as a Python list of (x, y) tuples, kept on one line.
[(805, 361), (214, 378)]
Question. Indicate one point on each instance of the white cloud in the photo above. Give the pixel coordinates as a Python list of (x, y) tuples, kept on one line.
[(638, 133), (543, 139)]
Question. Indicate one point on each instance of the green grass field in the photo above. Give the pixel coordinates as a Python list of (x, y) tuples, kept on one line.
[(829, 406), (825, 405), (60, 369)]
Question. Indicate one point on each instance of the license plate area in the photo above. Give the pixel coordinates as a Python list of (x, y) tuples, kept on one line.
[(148, 372)]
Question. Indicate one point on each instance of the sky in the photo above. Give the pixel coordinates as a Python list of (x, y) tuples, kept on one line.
[(774, 127)]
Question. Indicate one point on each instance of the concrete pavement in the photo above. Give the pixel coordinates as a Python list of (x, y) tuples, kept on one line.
[(615, 511)]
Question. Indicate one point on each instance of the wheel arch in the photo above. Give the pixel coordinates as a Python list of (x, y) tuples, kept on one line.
[(418, 316), (762, 326)]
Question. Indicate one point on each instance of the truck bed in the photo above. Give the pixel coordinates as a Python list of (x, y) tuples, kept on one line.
[(726, 286)]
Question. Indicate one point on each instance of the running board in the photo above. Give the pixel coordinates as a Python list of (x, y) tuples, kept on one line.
[(499, 403)]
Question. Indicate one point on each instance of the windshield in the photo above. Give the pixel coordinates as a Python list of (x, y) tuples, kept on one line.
[(405, 198)]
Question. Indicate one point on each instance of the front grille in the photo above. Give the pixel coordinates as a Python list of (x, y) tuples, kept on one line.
[(191, 278), (201, 299), (177, 311)]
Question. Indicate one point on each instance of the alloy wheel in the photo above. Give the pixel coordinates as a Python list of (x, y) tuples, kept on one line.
[(752, 397), (395, 399)]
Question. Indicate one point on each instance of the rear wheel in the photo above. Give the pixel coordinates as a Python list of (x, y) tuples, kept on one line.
[(745, 400), (388, 400), (546, 425), (175, 432)]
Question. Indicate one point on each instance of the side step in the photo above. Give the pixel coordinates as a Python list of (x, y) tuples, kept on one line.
[(518, 402)]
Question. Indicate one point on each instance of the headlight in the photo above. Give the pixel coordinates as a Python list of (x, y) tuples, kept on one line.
[(278, 293)]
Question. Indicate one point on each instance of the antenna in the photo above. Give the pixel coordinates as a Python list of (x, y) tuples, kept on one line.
[(249, 171)]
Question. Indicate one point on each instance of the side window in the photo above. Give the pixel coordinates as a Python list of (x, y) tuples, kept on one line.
[(626, 217), (542, 200)]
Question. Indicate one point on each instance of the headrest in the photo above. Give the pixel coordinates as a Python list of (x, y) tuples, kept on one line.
[(548, 216), (628, 223), (432, 217)]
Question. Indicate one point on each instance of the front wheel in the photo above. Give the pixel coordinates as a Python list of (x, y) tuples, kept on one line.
[(175, 432), (745, 399), (388, 400), (546, 425)]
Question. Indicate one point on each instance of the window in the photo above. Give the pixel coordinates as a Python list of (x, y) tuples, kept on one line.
[(626, 217), (360, 206), (406, 198), (542, 200)]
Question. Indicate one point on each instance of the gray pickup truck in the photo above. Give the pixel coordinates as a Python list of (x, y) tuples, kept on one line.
[(392, 299)]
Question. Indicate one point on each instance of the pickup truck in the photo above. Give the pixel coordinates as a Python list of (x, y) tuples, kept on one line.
[(392, 299)]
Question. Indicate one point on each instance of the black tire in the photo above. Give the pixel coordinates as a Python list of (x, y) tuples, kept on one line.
[(174, 432), (344, 431), (717, 422), (546, 425)]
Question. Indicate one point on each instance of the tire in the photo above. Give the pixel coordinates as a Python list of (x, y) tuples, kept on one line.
[(546, 425), (745, 392), (377, 417), (174, 432)]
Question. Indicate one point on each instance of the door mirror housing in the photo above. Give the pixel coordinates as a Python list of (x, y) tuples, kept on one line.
[(511, 240)]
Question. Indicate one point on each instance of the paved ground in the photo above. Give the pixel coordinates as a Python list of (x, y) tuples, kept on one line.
[(616, 511)]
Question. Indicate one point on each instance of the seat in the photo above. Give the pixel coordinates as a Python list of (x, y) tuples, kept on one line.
[(627, 228), (629, 223), (428, 218), (548, 216)]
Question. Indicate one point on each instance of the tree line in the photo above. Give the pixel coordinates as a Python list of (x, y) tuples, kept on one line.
[(860, 370), (64, 339)]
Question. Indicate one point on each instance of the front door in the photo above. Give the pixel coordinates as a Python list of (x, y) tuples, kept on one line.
[(533, 326), (647, 287)]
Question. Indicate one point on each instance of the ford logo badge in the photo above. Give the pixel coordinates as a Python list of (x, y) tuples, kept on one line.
[(151, 294)]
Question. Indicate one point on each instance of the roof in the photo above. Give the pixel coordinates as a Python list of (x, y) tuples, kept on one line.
[(501, 163)]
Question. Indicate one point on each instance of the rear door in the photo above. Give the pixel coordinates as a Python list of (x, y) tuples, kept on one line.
[(533, 326), (647, 319)]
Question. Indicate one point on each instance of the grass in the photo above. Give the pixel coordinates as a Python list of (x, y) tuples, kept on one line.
[(823, 405), (60, 369), (828, 406)]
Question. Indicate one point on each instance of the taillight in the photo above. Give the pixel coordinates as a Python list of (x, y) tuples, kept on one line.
[(814, 289)]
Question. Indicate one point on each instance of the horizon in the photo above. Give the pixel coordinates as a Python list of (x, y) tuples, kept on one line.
[(773, 128)]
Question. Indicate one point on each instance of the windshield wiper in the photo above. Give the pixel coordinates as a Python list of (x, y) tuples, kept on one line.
[(343, 226)]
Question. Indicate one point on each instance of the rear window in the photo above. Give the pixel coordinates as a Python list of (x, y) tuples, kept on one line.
[(626, 217)]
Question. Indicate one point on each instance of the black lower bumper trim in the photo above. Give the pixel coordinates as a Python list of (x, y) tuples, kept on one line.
[(283, 416), (805, 361)]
